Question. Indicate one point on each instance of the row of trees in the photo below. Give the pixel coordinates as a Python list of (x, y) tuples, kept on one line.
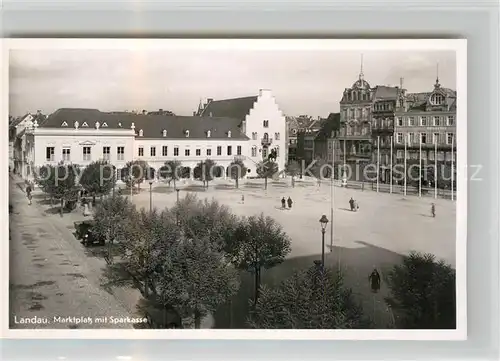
[(189, 257), (62, 182)]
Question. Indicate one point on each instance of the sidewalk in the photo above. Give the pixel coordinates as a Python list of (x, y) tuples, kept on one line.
[(50, 276)]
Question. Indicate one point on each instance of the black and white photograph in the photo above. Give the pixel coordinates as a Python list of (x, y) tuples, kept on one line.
[(195, 186)]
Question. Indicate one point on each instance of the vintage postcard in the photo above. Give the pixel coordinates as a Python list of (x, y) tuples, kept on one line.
[(182, 188)]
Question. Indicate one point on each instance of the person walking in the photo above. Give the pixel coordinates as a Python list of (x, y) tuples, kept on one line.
[(290, 202), (433, 210), (351, 204), (283, 203), (374, 280), (28, 193), (242, 199)]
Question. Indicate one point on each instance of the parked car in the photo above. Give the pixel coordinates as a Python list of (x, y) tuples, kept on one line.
[(85, 234)]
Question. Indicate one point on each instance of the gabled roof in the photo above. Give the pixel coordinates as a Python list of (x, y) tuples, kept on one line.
[(152, 125), (237, 108)]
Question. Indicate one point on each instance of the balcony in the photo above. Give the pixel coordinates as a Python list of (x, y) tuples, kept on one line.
[(266, 141)]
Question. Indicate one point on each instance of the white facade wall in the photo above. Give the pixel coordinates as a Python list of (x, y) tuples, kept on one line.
[(192, 145), (265, 108), (77, 139)]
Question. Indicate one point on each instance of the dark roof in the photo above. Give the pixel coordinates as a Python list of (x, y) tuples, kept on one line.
[(331, 124), (152, 125), (383, 92), (237, 108)]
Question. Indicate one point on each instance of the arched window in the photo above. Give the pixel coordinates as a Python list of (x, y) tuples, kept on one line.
[(437, 99), (209, 133), (187, 133), (141, 133), (266, 136), (164, 132), (229, 134)]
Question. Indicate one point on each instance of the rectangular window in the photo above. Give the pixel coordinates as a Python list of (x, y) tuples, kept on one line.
[(209, 152), (411, 138), (277, 136), (50, 154), (254, 136), (399, 138), (449, 138), (219, 150), (238, 150), (186, 152), (436, 121), (400, 121), (435, 138), (266, 123), (198, 152), (176, 151), (400, 154), (164, 151), (66, 152), (106, 153), (411, 121), (451, 120), (120, 153), (229, 150), (141, 152), (423, 138), (152, 151), (423, 121), (86, 153)]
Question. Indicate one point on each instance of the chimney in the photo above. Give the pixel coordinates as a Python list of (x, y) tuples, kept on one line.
[(194, 114), (160, 110), (38, 112), (144, 112), (209, 100), (210, 114)]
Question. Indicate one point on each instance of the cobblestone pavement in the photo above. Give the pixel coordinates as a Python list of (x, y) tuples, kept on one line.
[(50, 275)]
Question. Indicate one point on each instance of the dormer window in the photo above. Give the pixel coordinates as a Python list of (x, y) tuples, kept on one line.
[(229, 134), (209, 133), (187, 133), (119, 124), (84, 124), (141, 133), (164, 132), (437, 99), (104, 125), (64, 124)]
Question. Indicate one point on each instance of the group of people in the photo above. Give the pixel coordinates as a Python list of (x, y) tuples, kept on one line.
[(354, 205), (284, 202)]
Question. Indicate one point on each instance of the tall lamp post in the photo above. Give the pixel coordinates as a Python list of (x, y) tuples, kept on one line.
[(150, 196), (323, 221)]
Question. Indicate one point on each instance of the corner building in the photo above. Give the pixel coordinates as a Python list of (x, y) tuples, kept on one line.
[(221, 131)]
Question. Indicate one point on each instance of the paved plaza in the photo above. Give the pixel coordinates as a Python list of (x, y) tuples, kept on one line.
[(387, 221)]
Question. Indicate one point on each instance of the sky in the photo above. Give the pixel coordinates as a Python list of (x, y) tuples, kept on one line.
[(303, 82)]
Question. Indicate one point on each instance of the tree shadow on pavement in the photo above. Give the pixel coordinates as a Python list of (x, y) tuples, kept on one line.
[(356, 265)]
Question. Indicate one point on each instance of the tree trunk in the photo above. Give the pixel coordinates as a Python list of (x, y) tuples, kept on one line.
[(293, 182), (93, 200), (62, 206), (237, 183), (265, 183), (257, 284), (174, 184), (197, 319)]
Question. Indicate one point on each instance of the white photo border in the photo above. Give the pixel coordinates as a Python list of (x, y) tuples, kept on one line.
[(457, 45)]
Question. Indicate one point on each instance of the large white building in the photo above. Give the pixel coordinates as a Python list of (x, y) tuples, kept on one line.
[(248, 128)]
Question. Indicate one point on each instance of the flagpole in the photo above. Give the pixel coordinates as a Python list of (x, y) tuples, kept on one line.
[(378, 161), (452, 167), (332, 196), (406, 171), (435, 170), (390, 187), (420, 165)]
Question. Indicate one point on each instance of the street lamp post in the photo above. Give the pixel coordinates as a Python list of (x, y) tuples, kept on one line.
[(150, 196), (323, 221), (177, 213)]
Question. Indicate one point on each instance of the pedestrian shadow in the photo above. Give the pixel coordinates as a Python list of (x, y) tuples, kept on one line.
[(346, 209), (282, 209), (425, 215), (163, 190), (194, 188), (225, 187)]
